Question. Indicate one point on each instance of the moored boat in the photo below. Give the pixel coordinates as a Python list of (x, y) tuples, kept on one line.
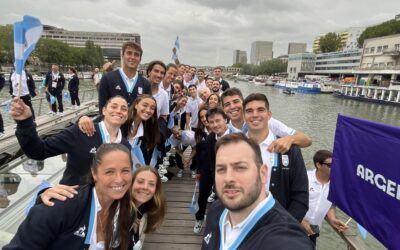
[(381, 95)]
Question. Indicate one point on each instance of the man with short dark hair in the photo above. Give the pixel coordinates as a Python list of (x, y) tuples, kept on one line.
[(216, 88), (125, 81), (155, 73), (232, 103), (319, 206), (287, 175), (246, 216), (217, 72), (192, 108), (166, 83)]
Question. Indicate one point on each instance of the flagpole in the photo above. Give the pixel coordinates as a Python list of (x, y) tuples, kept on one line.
[(347, 222), (19, 85)]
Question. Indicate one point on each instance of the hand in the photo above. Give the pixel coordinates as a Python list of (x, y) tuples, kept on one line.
[(339, 225), (86, 125), (307, 227), (19, 110), (59, 192), (281, 145)]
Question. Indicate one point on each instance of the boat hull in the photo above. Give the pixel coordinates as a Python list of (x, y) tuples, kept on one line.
[(366, 99)]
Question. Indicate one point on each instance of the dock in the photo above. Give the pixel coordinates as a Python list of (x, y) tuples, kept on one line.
[(177, 229)]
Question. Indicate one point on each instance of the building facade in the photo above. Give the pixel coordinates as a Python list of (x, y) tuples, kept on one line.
[(348, 38), (110, 42), (296, 48), (337, 63), (380, 61), (300, 65), (261, 51), (239, 57)]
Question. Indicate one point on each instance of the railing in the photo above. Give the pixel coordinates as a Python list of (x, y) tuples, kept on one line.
[(37, 102)]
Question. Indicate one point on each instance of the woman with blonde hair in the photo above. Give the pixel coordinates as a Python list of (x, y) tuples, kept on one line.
[(149, 203)]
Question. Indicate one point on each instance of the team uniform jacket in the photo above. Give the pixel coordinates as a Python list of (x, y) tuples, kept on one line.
[(276, 229), (289, 183), (80, 148), (112, 84), (60, 84), (65, 225), (73, 85)]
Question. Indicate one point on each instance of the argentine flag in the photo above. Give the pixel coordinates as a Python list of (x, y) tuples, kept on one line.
[(26, 34), (177, 44)]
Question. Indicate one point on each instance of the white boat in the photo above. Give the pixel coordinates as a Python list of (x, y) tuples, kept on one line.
[(37, 78), (286, 84)]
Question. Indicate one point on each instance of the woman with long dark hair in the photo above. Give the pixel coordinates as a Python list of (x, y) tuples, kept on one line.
[(99, 217), (73, 88)]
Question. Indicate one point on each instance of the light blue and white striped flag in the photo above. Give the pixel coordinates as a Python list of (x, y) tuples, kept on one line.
[(26, 34), (177, 43)]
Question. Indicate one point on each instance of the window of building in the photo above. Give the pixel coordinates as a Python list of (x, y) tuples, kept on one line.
[(385, 47), (366, 51), (397, 47), (372, 50), (379, 49)]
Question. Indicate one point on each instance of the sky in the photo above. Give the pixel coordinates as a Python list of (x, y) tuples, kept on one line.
[(209, 30)]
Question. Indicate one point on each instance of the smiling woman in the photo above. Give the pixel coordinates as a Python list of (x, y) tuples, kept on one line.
[(99, 217), (149, 201)]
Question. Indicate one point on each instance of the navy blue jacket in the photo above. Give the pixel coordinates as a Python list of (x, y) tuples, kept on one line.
[(112, 84), (73, 85), (60, 84), (80, 148), (224, 85), (62, 226), (276, 229), (289, 184)]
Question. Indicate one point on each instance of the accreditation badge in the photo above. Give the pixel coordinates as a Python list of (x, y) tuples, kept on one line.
[(140, 90), (285, 160)]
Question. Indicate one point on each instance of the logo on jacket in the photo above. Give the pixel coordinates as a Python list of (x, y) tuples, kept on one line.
[(207, 238), (118, 87), (285, 160), (81, 232), (93, 150)]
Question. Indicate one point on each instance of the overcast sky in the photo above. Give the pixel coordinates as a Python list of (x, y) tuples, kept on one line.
[(209, 30)]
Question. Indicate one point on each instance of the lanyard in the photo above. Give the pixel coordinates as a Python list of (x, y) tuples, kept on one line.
[(125, 79), (91, 220), (246, 229)]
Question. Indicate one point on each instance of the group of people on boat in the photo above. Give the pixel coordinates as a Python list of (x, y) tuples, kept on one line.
[(110, 196)]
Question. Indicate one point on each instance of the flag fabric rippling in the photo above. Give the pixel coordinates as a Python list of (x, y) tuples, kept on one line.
[(365, 177)]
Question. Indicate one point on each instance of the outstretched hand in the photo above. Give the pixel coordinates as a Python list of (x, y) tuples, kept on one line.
[(59, 192), (19, 110), (281, 145)]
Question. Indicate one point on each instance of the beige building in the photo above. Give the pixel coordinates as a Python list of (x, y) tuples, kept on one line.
[(300, 65), (239, 57), (261, 51), (380, 60), (296, 48), (110, 42)]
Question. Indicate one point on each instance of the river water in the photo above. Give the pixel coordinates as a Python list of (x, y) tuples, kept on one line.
[(316, 116)]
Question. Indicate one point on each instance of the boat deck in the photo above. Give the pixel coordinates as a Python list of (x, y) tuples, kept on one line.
[(177, 230)]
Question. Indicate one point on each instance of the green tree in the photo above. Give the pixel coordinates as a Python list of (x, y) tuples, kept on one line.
[(53, 51), (6, 44), (331, 42), (384, 29)]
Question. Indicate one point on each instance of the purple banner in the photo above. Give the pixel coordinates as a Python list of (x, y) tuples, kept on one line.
[(365, 176)]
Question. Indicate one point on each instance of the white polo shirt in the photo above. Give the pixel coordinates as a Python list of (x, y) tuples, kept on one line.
[(162, 102), (232, 233), (168, 89), (318, 204), (268, 158), (192, 107), (279, 128), (24, 84)]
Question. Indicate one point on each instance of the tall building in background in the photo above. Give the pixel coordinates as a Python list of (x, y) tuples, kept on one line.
[(110, 42), (239, 57), (295, 48), (261, 51), (348, 38)]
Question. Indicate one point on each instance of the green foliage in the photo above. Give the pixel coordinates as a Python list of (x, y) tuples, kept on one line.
[(6, 44), (265, 68), (384, 29), (51, 51), (331, 42)]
